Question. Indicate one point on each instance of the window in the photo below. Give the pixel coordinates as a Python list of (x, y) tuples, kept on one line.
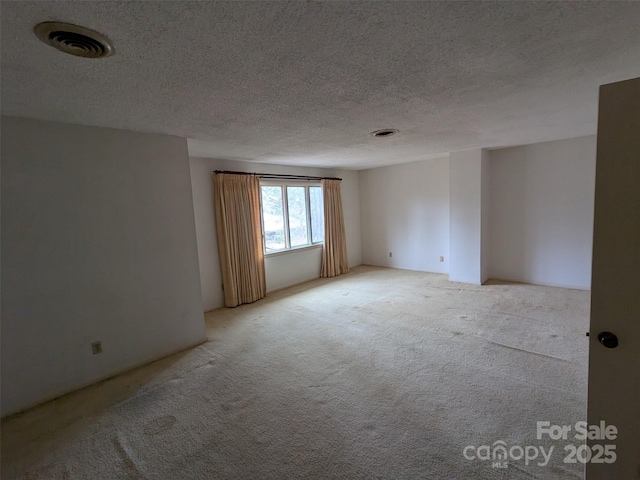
[(292, 216)]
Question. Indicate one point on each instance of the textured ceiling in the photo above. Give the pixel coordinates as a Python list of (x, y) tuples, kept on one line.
[(304, 83)]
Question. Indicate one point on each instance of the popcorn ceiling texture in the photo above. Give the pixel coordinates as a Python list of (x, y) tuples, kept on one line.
[(304, 83), (379, 373)]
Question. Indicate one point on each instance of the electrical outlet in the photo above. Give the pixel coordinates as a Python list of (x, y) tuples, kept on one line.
[(390, 254), (96, 347), (442, 259)]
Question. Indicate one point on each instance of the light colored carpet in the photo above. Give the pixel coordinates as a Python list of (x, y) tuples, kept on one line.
[(380, 373)]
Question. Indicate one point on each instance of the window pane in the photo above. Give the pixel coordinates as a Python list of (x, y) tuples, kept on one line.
[(273, 218), (317, 214), (297, 204)]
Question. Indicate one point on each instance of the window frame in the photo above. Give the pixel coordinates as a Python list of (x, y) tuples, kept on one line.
[(284, 184)]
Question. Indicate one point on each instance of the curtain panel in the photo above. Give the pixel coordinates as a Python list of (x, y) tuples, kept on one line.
[(334, 251), (237, 205)]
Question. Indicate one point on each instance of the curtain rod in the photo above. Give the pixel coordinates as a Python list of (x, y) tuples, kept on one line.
[(278, 176)]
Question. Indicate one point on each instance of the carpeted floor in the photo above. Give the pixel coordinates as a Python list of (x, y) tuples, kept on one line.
[(380, 373)]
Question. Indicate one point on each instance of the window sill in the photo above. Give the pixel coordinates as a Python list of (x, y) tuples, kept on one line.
[(295, 249)]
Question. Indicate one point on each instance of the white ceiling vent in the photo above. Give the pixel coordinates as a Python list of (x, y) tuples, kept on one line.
[(74, 40), (385, 132)]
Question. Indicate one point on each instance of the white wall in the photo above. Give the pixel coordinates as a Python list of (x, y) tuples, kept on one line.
[(405, 210), (98, 243), (291, 268), (485, 213), (467, 223), (542, 198), (281, 270)]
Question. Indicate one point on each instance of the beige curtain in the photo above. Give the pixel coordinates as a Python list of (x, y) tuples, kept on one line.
[(334, 252), (237, 202)]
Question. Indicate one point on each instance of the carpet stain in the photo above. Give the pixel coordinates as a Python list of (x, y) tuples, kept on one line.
[(126, 455), (159, 425)]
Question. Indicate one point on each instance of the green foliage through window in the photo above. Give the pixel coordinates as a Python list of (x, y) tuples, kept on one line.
[(292, 216)]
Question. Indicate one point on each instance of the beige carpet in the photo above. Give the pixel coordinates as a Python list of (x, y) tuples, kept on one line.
[(380, 373)]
